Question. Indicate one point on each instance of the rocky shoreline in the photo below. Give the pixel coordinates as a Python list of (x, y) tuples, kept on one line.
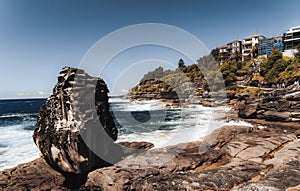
[(241, 158), (262, 157), (276, 105)]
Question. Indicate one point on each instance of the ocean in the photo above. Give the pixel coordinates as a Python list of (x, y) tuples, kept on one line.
[(17, 123), (136, 121)]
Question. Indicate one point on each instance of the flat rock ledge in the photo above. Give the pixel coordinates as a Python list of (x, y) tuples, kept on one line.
[(263, 157)]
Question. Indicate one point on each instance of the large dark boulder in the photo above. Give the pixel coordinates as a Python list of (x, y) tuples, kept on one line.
[(75, 131), (277, 116), (247, 110)]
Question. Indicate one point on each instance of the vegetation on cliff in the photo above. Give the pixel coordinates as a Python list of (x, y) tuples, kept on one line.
[(237, 77)]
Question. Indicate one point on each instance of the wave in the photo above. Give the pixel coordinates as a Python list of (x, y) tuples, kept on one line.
[(16, 146), (136, 121), (12, 115), (126, 105), (17, 119), (182, 125)]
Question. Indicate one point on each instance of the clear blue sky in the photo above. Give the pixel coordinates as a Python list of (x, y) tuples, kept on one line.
[(39, 37)]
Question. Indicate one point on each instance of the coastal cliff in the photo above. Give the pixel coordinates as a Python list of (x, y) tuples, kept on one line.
[(276, 105), (262, 156)]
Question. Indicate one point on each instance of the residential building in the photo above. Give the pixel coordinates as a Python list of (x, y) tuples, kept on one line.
[(223, 53), (250, 46), (235, 50), (230, 51), (291, 39), (266, 45)]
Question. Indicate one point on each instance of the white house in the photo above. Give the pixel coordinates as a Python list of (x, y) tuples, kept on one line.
[(291, 39), (248, 45)]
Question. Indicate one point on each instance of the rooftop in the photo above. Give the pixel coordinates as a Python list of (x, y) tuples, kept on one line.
[(294, 29), (253, 36), (234, 41), (223, 46)]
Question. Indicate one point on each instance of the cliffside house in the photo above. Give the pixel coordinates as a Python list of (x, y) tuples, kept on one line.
[(250, 46), (291, 39), (230, 51)]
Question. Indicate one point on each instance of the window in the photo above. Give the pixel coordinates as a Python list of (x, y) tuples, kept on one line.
[(295, 29)]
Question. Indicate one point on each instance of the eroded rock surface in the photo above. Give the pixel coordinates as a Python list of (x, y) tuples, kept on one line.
[(35, 175), (241, 158), (75, 131), (278, 105)]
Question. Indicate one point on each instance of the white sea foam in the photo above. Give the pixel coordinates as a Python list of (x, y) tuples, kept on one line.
[(200, 122), (17, 146), (238, 123), (127, 105), (15, 115), (191, 124)]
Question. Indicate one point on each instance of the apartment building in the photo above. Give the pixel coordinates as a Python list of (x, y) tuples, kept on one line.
[(250, 46), (266, 45), (230, 51), (258, 45), (291, 39)]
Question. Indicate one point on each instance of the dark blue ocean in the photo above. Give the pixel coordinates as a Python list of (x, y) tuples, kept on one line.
[(136, 121), (17, 122)]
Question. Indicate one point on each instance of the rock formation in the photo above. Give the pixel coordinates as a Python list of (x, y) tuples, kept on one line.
[(75, 131), (241, 158), (76, 134), (278, 105)]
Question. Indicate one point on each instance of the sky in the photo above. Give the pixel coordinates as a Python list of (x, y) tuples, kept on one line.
[(39, 37)]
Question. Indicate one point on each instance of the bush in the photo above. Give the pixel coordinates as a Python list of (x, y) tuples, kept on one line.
[(251, 90), (243, 72)]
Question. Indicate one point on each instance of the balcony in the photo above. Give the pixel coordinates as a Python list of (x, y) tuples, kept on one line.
[(247, 42), (292, 39)]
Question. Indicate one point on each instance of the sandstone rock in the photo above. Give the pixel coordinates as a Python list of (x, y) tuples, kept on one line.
[(295, 114), (207, 103), (247, 110), (277, 116), (238, 159), (229, 164), (135, 147), (277, 104), (75, 131), (35, 175)]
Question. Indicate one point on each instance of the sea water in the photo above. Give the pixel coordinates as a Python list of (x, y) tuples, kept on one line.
[(17, 122), (136, 121)]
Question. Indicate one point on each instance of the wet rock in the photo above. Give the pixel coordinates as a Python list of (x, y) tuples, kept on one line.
[(135, 147)]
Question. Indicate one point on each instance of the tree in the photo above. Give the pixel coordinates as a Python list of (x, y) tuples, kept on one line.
[(273, 66), (297, 53), (268, 64), (181, 63), (215, 54), (236, 56), (228, 70), (254, 51)]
